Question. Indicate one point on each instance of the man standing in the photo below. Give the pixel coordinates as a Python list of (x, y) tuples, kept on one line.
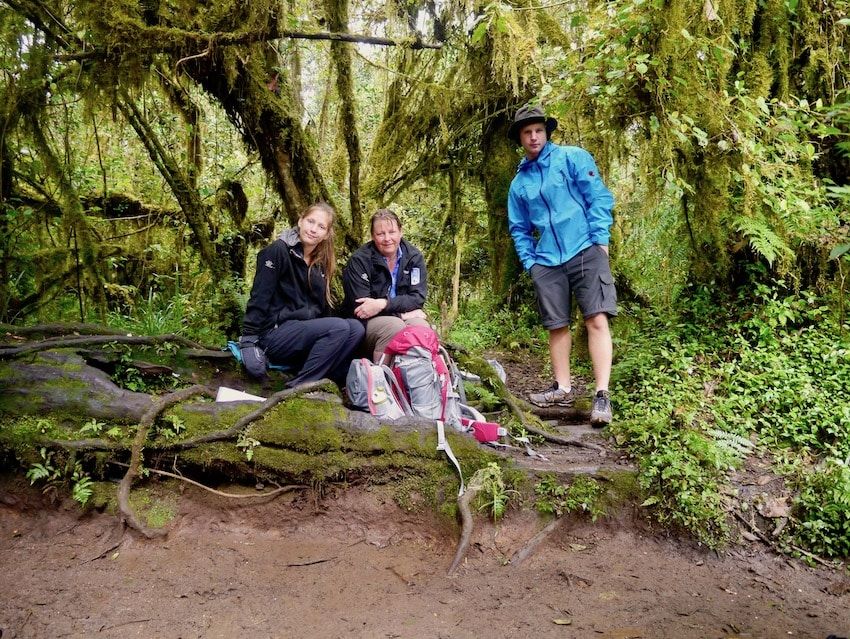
[(559, 212)]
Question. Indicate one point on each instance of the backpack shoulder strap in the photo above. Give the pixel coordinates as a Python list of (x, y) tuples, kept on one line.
[(443, 444), (370, 383), (454, 373)]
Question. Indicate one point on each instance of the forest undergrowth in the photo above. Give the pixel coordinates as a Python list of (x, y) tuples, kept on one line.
[(697, 393), (723, 379)]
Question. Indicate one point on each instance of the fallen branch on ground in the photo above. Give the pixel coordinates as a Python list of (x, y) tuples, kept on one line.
[(758, 533)]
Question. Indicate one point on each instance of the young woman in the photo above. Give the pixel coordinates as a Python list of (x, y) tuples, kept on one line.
[(385, 283), (289, 311)]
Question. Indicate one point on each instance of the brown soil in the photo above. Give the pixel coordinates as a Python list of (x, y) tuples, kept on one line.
[(353, 564)]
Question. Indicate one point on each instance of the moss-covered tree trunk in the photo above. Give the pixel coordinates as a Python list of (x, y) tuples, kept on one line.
[(337, 14), (499, 168)]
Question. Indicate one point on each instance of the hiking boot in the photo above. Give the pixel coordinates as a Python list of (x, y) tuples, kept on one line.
[(553, 396), (600, 413)]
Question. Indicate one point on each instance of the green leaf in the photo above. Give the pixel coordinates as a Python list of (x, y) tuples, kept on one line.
[(838, 251), (479, 33)]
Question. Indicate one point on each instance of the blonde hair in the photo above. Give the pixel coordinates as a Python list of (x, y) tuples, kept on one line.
[(324, 254), (384, 214)]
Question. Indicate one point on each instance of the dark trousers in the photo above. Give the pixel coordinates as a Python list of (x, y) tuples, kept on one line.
[(317, 348)]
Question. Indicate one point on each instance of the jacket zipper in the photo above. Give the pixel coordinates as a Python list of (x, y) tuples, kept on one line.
[(549, 209)]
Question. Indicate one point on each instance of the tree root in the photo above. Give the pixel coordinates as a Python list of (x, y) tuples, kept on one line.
[(531, 545), (127, 514), (466, 520), (90, 340), (253, 416), (557, 439), (271, 493)]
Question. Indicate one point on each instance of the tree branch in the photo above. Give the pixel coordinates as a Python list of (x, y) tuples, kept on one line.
[(64, 342), (203, 43)]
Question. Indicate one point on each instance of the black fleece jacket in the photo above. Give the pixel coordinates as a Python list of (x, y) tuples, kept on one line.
[(366, 275), (284, 288)]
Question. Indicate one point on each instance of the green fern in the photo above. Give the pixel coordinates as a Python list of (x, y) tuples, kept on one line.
[(763, 239), (731, 446)]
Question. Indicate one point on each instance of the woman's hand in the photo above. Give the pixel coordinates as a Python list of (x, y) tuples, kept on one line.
[(368, 307)]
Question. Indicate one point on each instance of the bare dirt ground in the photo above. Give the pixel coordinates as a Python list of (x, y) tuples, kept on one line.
[(352, 564)]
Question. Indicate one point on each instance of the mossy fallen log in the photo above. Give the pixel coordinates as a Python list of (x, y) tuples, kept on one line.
[(54, 401), (62, 414)]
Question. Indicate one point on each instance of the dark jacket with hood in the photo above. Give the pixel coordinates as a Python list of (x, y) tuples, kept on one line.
[(284, 288), (367, 275)]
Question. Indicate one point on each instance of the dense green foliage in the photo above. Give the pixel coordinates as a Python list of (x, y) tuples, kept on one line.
[(764, 374)]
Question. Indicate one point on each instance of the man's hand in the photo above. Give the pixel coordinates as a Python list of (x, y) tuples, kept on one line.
[(368, 307), (416, 313)]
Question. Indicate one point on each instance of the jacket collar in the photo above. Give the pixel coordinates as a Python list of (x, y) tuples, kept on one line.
[(290, 238), (541, 160)]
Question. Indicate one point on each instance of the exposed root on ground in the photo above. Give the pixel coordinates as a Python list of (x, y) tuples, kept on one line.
[(557, 439), (475, 484), (127, 513), (531, 545), (220, 493), (124, 508)]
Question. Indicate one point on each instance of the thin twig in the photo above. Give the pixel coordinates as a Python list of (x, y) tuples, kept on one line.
[(104, 553), (310, 563), (758, 533), (276, 491)]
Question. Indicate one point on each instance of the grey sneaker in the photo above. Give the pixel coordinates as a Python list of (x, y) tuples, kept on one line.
[(600, 413), (553, 396)]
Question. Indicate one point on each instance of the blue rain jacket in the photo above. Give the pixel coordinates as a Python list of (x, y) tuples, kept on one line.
[(558, 206)]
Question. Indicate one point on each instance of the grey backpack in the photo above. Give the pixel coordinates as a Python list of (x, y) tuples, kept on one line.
[(420, 365), (374, 388)]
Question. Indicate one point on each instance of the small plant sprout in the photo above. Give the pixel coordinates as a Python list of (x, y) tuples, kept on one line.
[(248, 444), (92, 426), (494, 495), (172, 426)]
